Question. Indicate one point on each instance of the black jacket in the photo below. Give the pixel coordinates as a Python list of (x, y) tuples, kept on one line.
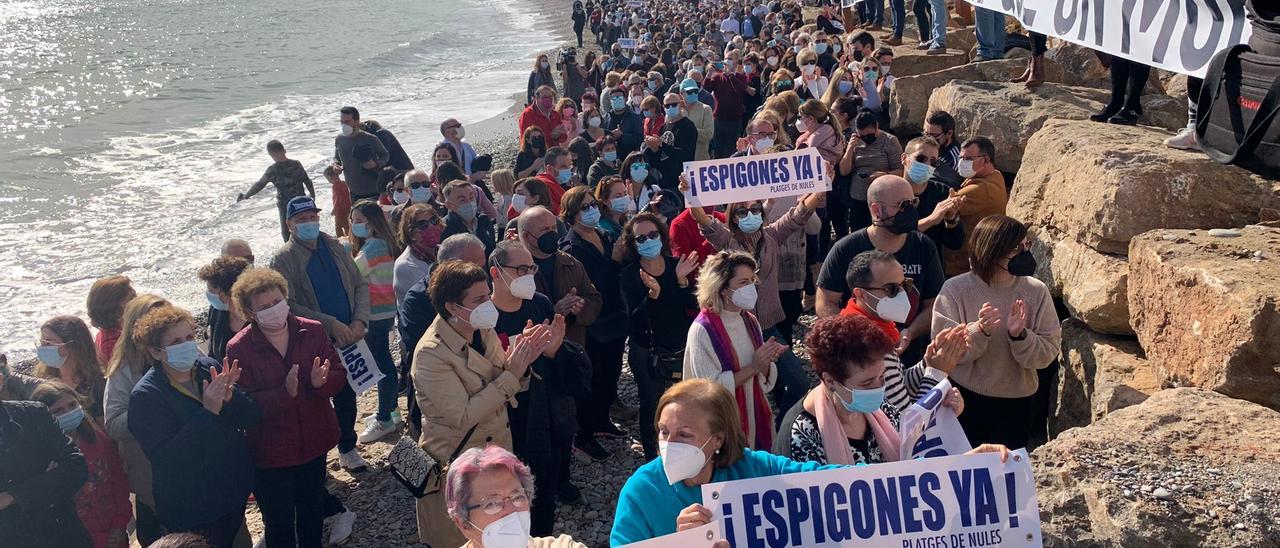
[(43, 513), (611, 324), (399, 158), (454, 224), (415, 315), (632, 126), (679, 144)]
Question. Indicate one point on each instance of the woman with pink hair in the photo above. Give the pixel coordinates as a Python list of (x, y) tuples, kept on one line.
[(488, 492)]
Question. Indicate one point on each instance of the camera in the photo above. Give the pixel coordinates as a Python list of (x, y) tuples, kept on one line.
[(568, 56)]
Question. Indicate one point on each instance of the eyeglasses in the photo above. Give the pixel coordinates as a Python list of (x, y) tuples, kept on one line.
[(809, 64), (742, 212), (669, 105), (453, 127), (522, 269), (935, 136), (642, 238), (892, 289), (426, 223), (923, 159), (419, 184), (769, 134), (868, 68), (494, 505), (639, 165)]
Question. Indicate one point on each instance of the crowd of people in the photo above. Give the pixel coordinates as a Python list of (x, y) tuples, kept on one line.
[(517, 293)]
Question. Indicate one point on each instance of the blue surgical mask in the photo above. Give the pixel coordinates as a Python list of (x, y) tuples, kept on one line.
[(919, 173), (673, 112), (820, 48), (751, 223), (845, 87), (420, 195), (872, 75), (639, 174), (650, 248), (564, 175), (691, 98), (590, 216), (864, 401), (215, 301), (360, 230), (182, 356), (308, 231), (618, 103), (620, 204), (71, 419), (467, 211), (610, 156), (49, 356)]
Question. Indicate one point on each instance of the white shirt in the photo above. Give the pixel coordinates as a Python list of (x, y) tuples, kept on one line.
[(701, 362)]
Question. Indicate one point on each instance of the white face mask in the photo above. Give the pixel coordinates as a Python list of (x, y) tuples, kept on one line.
[(965, 168), (275, 316), (347, 130), (461, 132), (895, 309), (399, 196), (808, 69), (745, 297), (594, 121), (512, 531), (681, 461), (522, 287), (518, 202), (800, 125), (484, 316), (763, 144)]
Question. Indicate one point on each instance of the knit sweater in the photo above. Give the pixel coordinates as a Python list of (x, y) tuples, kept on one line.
[(378, 267), (996, 364), (702, 362)]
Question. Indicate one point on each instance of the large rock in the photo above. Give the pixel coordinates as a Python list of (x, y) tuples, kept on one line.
[(910, 98), (1100, 374), (1186, 467), (1103, 184), (1207, 309), (1009, 114), (909, 61), (1090, 283)]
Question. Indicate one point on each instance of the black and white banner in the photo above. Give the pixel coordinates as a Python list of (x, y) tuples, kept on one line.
[(1175, 35)]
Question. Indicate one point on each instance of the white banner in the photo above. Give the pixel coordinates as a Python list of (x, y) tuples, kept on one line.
[(930, 429), (946, 502), (628, 43), (1175, 35), (755, 177), (698, 537), (362, 371)]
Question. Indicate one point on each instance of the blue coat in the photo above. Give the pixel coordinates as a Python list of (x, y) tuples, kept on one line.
[(199, 461)]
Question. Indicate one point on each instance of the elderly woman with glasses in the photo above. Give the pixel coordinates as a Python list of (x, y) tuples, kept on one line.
[(488, 492)]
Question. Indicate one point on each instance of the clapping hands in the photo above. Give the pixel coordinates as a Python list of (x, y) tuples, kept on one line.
[(221, 386)]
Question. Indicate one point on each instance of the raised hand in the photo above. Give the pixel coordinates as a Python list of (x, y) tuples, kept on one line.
[(947, 349), (766, 355), (655, 290), (556, 336), (319, 372), (684, 184), (215, 392), (570, 303), (693, 516), (291, 381), (988, 319), (230, 370), (1017, 323), (955, 401), (687, 265)]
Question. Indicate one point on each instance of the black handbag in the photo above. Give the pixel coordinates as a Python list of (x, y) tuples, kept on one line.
[(667, 364), (1236, 110)]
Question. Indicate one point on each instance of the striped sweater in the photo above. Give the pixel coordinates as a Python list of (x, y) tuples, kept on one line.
[(903, 386), (378, 267)]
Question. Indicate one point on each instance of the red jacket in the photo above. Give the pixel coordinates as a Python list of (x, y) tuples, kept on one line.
[(293, 430), (554, 188), (547, 123), (103, 503), (686, 236), (653, 126)]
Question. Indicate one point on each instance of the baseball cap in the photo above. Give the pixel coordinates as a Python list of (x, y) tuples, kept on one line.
[(688, 85), (300, 204)]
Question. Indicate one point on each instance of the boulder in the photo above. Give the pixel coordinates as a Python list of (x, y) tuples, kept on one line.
[(1090, 283), (1009, 114), (1176, 86), (910, 97), (1099, 374), (1207, 309), (1103, 184), (1187, 467), (909, 61)]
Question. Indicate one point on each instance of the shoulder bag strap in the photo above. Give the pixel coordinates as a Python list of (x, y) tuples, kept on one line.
[(1261, 122)]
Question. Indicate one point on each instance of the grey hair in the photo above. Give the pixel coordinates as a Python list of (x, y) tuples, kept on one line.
[(502, 252), (527, 216), (454, 246), (464, 469), (859, 273), (415, 172)]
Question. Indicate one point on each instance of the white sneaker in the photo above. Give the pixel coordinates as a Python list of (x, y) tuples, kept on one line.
[(340, 529), (375, 430), (1184, 140), (351, 461)]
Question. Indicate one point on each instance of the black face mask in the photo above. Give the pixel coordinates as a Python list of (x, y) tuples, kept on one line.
[(868, 139), (1022, 264), (548, 243), (857, 55), (907, 219), (537, 142)]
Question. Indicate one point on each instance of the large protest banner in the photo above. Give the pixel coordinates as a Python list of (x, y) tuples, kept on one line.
[(755, 177), (945, 502), (1176, 35), (930, 429)]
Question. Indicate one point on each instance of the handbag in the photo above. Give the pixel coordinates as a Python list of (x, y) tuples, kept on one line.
[(1237, 105), (421, 474), (666, 364)]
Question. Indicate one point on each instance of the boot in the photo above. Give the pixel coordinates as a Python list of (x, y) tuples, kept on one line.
[(1036, 69), (1026, 74)]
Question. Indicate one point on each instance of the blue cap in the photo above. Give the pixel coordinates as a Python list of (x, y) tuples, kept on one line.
[(300, 204), (688, 84)]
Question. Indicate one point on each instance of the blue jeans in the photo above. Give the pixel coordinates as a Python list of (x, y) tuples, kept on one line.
[(792, 383), (379, 341), (940, 19), (990, 30), (899, 17), (871, 11)]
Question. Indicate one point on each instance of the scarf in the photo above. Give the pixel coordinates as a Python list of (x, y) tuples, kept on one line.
[(425, 243), (889, 328), (834, 441), (723, 345)]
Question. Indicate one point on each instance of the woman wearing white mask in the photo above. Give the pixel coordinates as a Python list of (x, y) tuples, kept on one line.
[(190, 415), (590, 124), (289, 367), (812, 82), (67, 354), (489, 492), (463, 380), (727, 345)]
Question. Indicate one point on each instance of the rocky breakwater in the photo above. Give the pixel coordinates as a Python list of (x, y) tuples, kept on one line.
[(1187, 467)]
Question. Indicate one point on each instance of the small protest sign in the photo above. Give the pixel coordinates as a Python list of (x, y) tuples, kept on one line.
[(755, 177)]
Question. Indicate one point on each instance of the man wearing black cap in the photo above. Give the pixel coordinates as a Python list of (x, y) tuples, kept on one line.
[(326, 285)]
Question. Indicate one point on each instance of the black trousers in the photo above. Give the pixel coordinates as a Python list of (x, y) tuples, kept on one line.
[(1128, 80), (988, 419), (649, 388), (792, 308), (922, 10), (859, 215), (1039, 43), (606, 364), (292, 502), (577, 29), (148, 525), (344, 404), (724, 141), (1048, 378), (544, 462)]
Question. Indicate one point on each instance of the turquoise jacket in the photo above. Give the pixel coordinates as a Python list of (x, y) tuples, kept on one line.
[(648, 506)]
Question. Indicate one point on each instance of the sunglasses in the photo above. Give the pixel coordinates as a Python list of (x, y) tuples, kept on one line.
[(522, 270), (419, 184), (931, 160), (742, 212), (669, 105), (868, 68), (914, 202), (642, 238), (426, 223), (892, 289)]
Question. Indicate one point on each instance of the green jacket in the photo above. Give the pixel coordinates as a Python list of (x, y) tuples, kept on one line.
[(291, 262)]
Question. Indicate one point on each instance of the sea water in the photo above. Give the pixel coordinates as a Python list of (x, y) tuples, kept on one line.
[(127, 127)]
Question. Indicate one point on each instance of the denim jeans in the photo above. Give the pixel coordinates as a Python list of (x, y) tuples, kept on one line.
[(380, 345), (940, 19), (899, 8), (872, 11), (989, 26), (792, 383)]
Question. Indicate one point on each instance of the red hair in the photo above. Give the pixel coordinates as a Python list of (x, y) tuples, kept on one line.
[(838, 342)]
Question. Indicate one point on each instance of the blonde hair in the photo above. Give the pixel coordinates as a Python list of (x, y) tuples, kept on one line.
[(254, 282), (721, 410), (715, 275), (128, 351), (503, 181)]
